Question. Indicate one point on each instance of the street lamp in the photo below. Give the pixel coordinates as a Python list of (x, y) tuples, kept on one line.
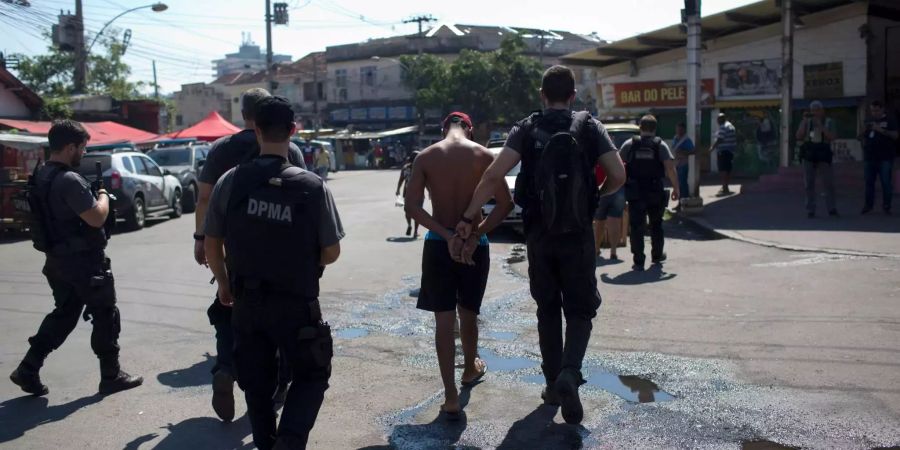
[(156, 7)]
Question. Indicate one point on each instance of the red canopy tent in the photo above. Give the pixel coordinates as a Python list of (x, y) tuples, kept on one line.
[(101, 132), (212, 127)]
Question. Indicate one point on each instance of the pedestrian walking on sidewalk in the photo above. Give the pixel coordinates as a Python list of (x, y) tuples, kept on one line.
[(816, 132), (648, 161), (279, 226), (557, 191), (726, 145), (880, 148)]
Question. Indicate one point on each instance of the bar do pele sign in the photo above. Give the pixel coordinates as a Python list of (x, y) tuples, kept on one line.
[(659, 93)]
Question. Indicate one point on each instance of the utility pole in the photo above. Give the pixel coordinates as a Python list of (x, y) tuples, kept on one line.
[(420, 20), (155, 84), (80, 55), (787, 78), (270, 73), (543, 44), (316, 95), (694, 41)]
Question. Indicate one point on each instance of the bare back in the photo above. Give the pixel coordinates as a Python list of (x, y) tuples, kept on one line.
[(451, 170)]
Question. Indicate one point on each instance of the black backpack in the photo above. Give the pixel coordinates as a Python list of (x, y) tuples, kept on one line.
[(561, 186), (33, 203)]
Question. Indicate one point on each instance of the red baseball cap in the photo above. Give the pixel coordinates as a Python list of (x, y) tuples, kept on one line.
[(457, 117)]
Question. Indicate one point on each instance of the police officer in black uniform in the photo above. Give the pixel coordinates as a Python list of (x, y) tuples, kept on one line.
[(68, 226), (279, 227), (648, 161)]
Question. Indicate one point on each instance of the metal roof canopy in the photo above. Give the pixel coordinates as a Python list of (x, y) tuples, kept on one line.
[(748, 17), (373, 135)]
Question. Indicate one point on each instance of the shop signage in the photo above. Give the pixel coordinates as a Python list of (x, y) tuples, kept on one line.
[(378, 113), (757, 78), (340, 115), (659, 94), (823, 80)]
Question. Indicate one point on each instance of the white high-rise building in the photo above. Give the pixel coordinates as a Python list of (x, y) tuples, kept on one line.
[(249, 58)]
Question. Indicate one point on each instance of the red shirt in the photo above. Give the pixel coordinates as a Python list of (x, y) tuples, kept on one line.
[(600, 174)]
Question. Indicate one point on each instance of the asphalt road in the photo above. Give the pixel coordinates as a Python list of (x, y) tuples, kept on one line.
[(728, 345)]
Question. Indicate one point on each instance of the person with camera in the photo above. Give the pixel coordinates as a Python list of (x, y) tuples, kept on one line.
[(279, 226), (816, 132), (70, 215), (880, 149)]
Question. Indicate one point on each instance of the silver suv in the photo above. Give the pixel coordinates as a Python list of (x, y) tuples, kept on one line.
[(143, 190)]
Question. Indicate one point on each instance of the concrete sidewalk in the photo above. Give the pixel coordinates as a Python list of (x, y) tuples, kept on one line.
[(778, 219)]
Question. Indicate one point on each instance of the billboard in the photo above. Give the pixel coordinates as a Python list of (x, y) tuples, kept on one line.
[(756, 78), (823, 80)]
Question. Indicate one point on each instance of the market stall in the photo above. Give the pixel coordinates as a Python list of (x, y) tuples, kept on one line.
[(20, 155)]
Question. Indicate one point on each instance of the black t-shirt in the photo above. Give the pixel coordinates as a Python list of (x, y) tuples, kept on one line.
[(596, 137), (879, 147), (231, 151)]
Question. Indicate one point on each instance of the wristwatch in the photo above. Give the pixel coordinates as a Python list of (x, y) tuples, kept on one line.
[(199, 237)]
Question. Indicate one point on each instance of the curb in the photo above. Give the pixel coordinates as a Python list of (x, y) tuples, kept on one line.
[(702, 223)]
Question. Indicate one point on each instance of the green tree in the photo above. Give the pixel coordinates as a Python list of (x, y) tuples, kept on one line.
[(517, 78), (427, 76), (51, 76), (472, 81)]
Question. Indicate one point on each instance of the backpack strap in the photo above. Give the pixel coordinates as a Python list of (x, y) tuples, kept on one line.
[(656, 148), (635, 146)]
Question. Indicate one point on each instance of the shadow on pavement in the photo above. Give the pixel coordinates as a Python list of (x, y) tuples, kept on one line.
[(653, 274), (785, 211), (439, 433), (537, 430), (12, 237), (199, 432), (197, 375), (24, 413), (401, 239)]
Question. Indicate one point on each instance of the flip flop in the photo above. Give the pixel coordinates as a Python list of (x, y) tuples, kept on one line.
[(452, 416), (478, 377)]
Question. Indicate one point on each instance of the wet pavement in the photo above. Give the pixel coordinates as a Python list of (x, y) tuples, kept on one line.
[(726, 346)]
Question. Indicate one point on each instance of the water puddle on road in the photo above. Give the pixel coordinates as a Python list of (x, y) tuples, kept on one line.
[(499, 363), (629, 387), (764, 445), (351, 333)]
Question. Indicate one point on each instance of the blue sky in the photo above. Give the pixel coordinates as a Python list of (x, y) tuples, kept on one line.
[(185, 38)]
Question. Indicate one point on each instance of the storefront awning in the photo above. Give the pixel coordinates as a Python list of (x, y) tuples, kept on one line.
[(101, 132)]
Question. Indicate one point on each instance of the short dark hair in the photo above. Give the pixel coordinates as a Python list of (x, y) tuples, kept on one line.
[(275, 119), (682, 125), (877, 104), (250, 102), (558, 83), (65, 132), (648, 123)]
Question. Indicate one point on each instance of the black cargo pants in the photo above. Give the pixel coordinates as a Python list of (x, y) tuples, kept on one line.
[(264, 324), (563, 282), (650, 205), (82, 284)]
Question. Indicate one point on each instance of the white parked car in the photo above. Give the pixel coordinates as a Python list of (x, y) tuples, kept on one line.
[(515, 216)]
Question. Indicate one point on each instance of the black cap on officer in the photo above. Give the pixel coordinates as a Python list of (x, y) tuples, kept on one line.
[(274, 119)]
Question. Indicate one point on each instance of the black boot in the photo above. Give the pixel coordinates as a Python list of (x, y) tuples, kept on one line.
[(121, 382), (29, 381), (567, 388)]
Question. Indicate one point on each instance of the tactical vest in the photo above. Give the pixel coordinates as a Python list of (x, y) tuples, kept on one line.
[(53, 236), (644, 170), (271, 228)]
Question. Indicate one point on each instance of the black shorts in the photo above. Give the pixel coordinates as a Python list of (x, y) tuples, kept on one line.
[(725, 160), (446, 283)]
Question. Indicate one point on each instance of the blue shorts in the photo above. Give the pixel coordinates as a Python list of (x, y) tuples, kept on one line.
[(612, 205)]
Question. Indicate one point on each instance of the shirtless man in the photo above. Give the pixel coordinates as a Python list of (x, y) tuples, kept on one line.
[(454, 271)]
